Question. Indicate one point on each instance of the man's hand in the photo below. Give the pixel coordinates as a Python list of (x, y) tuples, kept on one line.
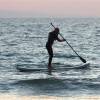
[(64, 39)]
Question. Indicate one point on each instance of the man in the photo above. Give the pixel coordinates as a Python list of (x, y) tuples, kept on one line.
[(53, 36)]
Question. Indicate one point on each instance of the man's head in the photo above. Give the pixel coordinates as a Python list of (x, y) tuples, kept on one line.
[(57, 30)]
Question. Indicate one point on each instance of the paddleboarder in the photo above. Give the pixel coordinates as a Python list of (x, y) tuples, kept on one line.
[(53, 36)]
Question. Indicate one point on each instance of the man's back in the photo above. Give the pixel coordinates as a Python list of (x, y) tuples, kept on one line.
[(51, 37)]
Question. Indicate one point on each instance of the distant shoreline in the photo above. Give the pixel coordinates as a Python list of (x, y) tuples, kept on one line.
[(17, 97), (78, 17)]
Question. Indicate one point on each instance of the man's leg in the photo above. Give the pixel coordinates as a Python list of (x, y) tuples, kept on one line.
[(50, 51), (50, 60), (49, 65)]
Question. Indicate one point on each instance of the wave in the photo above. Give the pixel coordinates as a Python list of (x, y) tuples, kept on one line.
[(64, 56), (37, 37)]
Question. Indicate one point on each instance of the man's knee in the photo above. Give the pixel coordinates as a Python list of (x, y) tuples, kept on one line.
[(51, 56)]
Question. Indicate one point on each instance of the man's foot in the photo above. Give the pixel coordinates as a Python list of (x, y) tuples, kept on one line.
[(49, 73)]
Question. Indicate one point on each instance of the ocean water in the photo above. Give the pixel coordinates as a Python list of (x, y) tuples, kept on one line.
[(22, 44)]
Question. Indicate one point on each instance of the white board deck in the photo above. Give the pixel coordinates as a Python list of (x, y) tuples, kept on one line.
[(80, 66)]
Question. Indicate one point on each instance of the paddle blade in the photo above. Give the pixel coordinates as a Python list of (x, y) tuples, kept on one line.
[(83, 60)]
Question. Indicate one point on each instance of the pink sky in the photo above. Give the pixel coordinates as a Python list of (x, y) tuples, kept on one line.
[(66, 8)]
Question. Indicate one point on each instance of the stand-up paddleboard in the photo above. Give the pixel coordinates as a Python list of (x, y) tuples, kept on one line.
[(63, 68)]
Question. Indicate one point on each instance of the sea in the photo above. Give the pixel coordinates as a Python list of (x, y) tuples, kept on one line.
[(22, 44)]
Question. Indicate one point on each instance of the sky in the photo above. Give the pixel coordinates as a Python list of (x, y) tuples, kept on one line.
[(49, 8)]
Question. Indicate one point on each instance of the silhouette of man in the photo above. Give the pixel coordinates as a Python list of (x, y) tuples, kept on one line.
[(53, 36)]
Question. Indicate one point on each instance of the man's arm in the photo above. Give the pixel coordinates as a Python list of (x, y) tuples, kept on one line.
[(60, 40)]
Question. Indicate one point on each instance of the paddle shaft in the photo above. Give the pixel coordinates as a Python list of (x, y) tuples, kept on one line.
[(83, 60), (69, 45)]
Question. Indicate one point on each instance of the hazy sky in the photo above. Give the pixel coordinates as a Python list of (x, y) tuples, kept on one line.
[(51, 8)]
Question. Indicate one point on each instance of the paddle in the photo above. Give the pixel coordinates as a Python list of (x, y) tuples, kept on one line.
[(83, 60)]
